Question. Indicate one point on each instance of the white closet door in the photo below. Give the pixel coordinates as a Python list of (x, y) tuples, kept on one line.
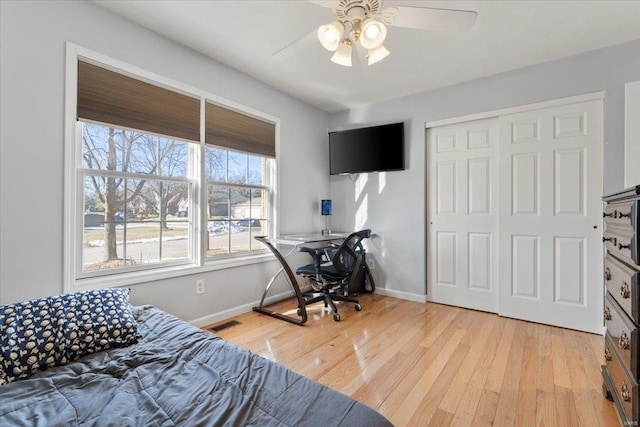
[(551, 214), (461, 213)]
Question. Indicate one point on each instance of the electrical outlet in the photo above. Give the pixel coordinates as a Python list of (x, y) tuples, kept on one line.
[(199, 286), (371, 264)]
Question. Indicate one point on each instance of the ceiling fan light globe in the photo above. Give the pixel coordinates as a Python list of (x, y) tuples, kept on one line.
[(343, 54), (373, 33), (377, 54), (330, 34)]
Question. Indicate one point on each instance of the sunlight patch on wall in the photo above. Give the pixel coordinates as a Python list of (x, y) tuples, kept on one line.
[(362, 213), (382, 181), (361, 182)]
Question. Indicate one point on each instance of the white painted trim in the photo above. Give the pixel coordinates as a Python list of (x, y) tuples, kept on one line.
[(236, 311), (631, 133), (73, 213), (597, 101), (402, 295), (518, 109), (70, 218), (154, 275), (245, 308)]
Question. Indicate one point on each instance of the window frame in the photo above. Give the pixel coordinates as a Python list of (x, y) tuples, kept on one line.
[(74, 279), (85, 172)]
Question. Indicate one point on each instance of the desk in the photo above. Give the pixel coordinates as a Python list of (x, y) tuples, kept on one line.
[(293, 240)]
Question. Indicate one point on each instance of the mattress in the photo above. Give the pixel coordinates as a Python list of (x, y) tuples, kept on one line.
[(176, 375)]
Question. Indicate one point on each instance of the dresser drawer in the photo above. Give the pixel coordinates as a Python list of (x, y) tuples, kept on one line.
[(624, 334), (620, 229), (624, 389), (622, 283)]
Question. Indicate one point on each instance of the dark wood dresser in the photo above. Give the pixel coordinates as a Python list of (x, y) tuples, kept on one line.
[(622, 302)]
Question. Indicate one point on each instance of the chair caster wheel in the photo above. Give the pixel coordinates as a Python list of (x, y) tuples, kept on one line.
[(336, 317), (358, 307)]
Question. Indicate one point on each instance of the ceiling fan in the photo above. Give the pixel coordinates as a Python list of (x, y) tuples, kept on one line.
[(364, 23)]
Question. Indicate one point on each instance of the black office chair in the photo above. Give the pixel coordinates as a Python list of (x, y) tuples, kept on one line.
[(334, 268)]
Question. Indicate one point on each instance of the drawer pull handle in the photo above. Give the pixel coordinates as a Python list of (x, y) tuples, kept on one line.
[(607, 313), (623, 341), (607, 354), (610, 239), (622, 215), (624, 290), (621, 246), (613, 214), (607, 273), (624, 393)]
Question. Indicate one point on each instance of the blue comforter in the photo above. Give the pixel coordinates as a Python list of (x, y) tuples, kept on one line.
[(176, 375)]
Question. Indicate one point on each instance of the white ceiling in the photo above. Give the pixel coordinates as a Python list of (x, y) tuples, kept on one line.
[(506, 35)]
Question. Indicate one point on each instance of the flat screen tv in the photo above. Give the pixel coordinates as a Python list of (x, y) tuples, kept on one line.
[(370, 149)]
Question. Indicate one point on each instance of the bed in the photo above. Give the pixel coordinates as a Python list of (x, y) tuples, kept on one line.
[(170, 374)]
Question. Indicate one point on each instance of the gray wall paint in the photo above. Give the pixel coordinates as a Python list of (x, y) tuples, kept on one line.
[(396, 211), (33, 36), (32, 61)]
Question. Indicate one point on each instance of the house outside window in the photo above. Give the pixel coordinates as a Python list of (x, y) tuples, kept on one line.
[(238, 194), (154, 196)]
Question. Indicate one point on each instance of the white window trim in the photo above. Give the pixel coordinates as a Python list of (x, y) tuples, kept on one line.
[(83, 172), (72, 158)]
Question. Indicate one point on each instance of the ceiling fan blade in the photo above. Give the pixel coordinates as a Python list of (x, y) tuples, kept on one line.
[(423, 18), (297, 46)]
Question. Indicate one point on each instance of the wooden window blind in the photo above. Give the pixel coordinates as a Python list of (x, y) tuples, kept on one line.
[(230, 129), (108, 97)]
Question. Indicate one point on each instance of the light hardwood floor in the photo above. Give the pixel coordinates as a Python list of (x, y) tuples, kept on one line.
[(430, 364)]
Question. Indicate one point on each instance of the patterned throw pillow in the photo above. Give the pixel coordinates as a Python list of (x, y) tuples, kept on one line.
[(96, 320), (55, 330), (29, 339)]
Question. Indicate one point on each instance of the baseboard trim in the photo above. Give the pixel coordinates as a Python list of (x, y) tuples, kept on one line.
[(245, 308), (402, 295), (236, 311)]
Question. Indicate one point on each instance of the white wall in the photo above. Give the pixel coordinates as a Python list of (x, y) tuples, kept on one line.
[(33, 36), (396, 210), (32, 61), (632, 134)]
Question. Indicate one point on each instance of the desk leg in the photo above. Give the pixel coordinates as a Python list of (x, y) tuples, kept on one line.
[(266, 291), (370, 277), (302, 311)]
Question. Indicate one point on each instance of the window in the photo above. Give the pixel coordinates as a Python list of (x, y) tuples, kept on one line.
[(149, 195), (238, 195), (239, 171), (136, 193)]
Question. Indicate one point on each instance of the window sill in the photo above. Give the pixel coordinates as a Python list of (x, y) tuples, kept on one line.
[(138, 277)]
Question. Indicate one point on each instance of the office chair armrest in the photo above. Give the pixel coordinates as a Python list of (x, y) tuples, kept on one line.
[(315, 251), (312, 251), (317, 254)]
